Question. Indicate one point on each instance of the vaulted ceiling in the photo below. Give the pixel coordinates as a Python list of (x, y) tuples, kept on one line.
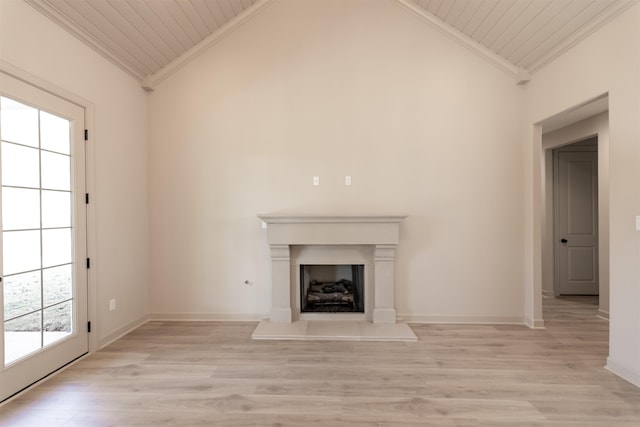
[(523, 32), (151, 38)]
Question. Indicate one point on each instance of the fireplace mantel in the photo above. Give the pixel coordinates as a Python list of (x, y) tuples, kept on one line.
[(314, 218), (382, 232), (332, 229)]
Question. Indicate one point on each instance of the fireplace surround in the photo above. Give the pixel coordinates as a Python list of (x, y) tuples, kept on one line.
[(296, 240)]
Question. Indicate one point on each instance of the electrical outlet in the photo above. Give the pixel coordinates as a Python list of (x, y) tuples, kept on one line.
[(316, 181), (112, 304)]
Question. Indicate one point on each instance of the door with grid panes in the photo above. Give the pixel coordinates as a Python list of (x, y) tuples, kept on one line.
[(43, 239)]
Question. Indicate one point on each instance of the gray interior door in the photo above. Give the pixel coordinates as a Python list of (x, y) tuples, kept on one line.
[(576, 224)]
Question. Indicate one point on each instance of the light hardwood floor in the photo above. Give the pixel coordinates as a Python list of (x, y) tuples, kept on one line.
[(213, 374)]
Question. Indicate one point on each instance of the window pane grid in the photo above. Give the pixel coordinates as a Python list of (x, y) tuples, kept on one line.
[(22, 316), (36, 157), (6, 276), (17, 144)]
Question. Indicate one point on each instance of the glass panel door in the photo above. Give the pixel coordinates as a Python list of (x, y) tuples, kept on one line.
[(43, 241), (36, 227)]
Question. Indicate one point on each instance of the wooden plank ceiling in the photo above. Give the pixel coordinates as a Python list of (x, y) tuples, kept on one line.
[(144, 37), (523, 31)]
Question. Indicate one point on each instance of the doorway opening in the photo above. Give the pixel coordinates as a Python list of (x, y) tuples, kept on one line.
[(581, 129), (43, 235)]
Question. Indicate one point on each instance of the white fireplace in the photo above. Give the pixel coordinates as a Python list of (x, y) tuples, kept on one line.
[(368, 240), (339, 259)]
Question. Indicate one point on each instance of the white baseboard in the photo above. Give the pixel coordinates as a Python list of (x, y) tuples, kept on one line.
[(456, 319), (119, 333), (535, 323), (548, 294), (603, 314), (212, 317), (622, 372), (409, 318)]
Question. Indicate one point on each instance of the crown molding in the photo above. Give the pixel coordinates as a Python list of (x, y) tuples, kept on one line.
[(584, 32), (149, 82), (53, 14), (519, 74)]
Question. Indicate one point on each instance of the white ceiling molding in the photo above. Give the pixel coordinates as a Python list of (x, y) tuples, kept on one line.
[(584, 32), (84, 36), (527, 33), (520, 75), (149, 82), (149, 40), (152, 39)]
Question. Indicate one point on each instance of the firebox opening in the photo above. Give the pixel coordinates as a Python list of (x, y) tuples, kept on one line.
[(332, 288)]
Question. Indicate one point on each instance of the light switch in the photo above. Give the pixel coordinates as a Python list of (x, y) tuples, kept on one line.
[(637, 222), (347, 180), (316, 181)]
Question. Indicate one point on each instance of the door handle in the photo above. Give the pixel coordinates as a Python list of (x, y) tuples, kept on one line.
[(563, 240)]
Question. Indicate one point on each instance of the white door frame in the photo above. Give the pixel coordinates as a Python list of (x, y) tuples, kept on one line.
[(88, 106), (596, 125)]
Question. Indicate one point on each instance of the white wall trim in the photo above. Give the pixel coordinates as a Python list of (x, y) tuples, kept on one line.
[(520, 75), (461, 320), (535, 323), (603, 314), (409, 318), (119, 333), (33, 80), (622, 372), (149, 82), (208, 317)]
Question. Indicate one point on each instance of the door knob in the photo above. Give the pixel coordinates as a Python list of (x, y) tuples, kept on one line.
[(563, 240)]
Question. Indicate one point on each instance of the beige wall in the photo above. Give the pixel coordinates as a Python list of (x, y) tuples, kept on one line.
[(118, 228), (332, 88), (607, 61)]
